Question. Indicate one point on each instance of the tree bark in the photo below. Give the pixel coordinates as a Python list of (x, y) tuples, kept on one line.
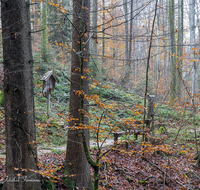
[(126, 34), (44, 36), (115, 49), (158, 48), (76, 162), (131, 34), (172, 52), (36, 25), (127, 61), (103, 36), (165, 44), (21, 152), (94, 25), (135, 43), (180, 48), (198, 23), (192, 44)]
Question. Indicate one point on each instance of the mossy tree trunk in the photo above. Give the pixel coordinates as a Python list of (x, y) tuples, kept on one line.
[(21, 151), (76, 161)]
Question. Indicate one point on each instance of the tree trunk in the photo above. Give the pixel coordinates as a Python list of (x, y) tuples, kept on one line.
[(165, 44), (115, 33), (136, 44), (94, 25), (21, 152), (44, 36), (180, 48), (128, 46), (192, 44), (198, 23), (76, 162), (36, 25), (158, 48), (172, 52), (131, 34), (127, 65), (103, 37)]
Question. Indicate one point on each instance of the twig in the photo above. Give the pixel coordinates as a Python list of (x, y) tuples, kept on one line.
[(147, 72), (32, 4), (121, 170), (164, 180), (36, 31), (154, 165), (181, 125), (152, 177), (98, 131)]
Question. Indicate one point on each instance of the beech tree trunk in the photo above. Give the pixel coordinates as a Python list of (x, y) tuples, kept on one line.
[(21, 151), (165, 44), (115, 49), (192, 44), (198, 24), (103, 36), (44, 35), (76, 165), (135, 42), (172, 51), (127, 61), (126, 34), (131, 35), (158, 46), (94, 25), (180, 48)]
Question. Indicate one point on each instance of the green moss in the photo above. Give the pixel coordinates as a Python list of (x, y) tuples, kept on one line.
[(1, 98), (68, 180), (47, 184)]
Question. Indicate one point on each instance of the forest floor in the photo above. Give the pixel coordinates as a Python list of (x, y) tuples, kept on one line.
[(164, 166)]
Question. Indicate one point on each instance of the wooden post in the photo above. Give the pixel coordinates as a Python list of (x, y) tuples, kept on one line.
[(48, 103), (151, 102)]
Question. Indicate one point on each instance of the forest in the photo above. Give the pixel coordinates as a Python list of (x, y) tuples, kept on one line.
[(100, 94)]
